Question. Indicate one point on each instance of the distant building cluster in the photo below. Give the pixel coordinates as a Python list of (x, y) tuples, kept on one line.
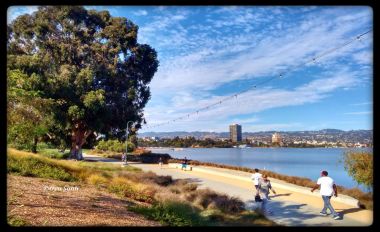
[(235, 133), (276, 138), (322, 138)]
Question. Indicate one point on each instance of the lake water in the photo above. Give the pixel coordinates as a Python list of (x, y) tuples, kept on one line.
[(303, 162)]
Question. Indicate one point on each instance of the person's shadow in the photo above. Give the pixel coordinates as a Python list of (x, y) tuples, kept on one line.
[(347, 211), (280, 195)]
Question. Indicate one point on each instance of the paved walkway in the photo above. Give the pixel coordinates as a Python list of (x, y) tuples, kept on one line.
[(290, 208)]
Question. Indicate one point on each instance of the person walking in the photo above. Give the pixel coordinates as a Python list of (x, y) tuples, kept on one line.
[(123, 157), (184, 164), (328, 188), (256, 177), (160, 162), (263, 188)]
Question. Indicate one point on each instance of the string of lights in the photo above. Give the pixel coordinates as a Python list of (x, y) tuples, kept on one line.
[(280, 75)]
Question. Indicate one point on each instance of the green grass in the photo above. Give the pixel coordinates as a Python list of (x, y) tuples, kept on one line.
[(16, 221), (107, 167), (54, 153), (172, 213), (32, 166)]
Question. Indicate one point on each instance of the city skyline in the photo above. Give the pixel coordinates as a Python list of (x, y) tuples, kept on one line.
[(209, 53)]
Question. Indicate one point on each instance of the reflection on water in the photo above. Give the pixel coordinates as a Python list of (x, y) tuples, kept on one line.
[(303, 162)]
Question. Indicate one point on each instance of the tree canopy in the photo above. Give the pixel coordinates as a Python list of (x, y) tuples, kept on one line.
[(87, 64), (359, 166)]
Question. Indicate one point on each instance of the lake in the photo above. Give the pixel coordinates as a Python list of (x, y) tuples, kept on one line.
[(303, 162)]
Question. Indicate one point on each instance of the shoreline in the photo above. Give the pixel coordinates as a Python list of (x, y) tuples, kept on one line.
[(257, 147)]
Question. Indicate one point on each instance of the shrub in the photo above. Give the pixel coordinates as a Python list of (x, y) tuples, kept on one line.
[(96, 179), (189, 187), (149, 177), (172, 213), (32, 166), (102, 145), (125, 188), (16, 221), (53, 153), (114, 145), (43, 146)]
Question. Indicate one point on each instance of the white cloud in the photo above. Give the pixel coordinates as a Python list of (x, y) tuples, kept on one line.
[(359, 113), (141, 13), (241, 57), (254, 101), (362, 104)]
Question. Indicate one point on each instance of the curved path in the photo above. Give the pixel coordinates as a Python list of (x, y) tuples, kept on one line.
[(290, 208)]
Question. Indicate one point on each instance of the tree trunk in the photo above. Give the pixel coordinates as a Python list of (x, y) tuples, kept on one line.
[(34, 147), (78, 138)]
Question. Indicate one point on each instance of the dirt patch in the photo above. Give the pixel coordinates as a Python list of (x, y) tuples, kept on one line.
[(44, 202)]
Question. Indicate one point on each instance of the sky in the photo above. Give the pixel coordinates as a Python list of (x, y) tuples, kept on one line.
[(209, 53)]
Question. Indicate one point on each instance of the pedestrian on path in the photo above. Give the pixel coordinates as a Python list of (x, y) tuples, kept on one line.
[(160, 162), (256, 177), (123, 156), (328, 188), (263, 188), (184, 164)]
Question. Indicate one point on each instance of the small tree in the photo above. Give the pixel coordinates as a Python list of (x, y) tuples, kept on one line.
[(359, 166)]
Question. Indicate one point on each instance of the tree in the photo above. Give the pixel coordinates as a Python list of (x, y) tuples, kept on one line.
[(27, 117), (89, 64), (359, 166)]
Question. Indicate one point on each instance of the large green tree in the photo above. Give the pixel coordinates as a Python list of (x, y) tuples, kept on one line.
[(89, 64)]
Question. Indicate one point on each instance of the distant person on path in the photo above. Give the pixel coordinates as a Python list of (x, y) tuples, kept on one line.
[(124, 158), (160, 162), (263, 188), (256, 177), (328, 188), (184, 164)]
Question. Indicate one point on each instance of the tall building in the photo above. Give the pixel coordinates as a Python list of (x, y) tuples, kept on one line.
[(235, 133), (276, 138)]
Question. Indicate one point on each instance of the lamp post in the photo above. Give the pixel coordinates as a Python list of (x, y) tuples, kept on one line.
[(126, 147)]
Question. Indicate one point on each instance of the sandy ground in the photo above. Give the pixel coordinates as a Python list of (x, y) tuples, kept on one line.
[(45, 202)]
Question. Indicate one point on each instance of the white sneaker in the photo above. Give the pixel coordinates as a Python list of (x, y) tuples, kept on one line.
[(336, 217)]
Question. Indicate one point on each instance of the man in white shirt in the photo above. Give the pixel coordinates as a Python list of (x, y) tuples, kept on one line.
[(328, 188), (256, 178)]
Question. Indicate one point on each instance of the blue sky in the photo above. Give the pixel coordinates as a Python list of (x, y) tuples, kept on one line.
[(208, 53)]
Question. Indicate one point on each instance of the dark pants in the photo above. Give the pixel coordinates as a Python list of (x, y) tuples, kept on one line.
[(257, 188)]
